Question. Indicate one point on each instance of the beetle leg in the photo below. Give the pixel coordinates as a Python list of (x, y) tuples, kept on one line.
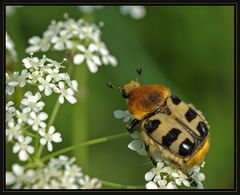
[(150, 155), (191, 180), (131, 127)]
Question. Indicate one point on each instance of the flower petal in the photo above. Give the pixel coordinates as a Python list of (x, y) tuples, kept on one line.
[(56, 137), (61, 99), (16, 148), (78, 59), (43, 116), (92, 67), (23, 155), (134, 145), (171, 185), (30, 149), (151, 185), (43, 141), (148, 176), (51, 130), (17, 169), (49, 146), (96, 60), (71, 99)]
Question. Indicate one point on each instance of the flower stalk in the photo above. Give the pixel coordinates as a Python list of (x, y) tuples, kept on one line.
[(86, 143)]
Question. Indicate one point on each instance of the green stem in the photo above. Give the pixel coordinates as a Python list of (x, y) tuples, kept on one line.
[(79, 123), (50, 122), (120, 186), (87, 143), (54, 113)]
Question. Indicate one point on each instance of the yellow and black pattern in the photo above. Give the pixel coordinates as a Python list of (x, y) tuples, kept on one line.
[(188, 116), (177, 128)]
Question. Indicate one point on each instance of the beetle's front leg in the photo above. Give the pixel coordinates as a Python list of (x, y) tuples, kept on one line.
[(131, 127)]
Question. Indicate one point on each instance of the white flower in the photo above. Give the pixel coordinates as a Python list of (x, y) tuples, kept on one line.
[(38, 44), (180, 178), (35, 76), (31, 102), (151, 185), (16, 80), (89, 183), (31, 62), (49, 137), (46, 85), (109, 59), (73, 84), (10, 47), (37, 120), (89, 32), (54, 74), (22, 79), (22, 116), (65, 93), (138, 146), (92, 59), (19, 177), (23, 148), (88, 8), (136, 12), (63, 40), (123, 114), (13, 130)]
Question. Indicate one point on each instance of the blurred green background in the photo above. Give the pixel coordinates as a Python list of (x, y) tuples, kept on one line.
[(190, 49)]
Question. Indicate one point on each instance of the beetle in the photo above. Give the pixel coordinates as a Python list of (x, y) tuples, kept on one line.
[(166, 123)]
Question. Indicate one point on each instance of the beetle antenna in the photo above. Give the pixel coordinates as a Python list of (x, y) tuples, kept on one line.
[(139, 72), (110, 85)]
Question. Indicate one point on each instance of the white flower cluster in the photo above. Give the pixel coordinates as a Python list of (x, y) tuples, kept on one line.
[(46, 74), (59, 173), (165, 175), (10, 47), (136, 12), (31, 115), (82, 39)]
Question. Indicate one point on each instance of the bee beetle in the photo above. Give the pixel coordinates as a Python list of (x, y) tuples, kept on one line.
[(166, 123)]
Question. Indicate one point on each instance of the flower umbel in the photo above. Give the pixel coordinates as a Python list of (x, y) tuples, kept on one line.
[(82, 39), (59, 173)]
